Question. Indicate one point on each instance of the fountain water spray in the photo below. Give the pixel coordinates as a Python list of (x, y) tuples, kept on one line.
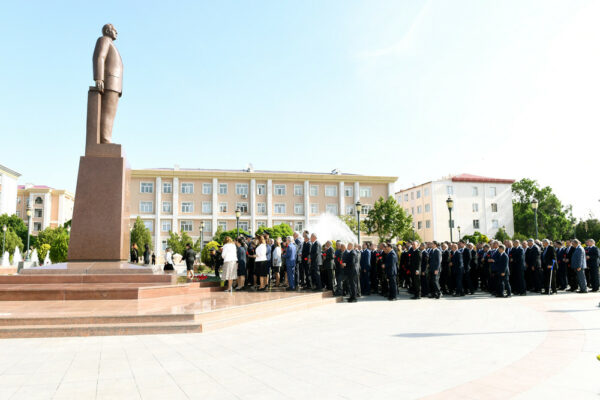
[(331, 227)]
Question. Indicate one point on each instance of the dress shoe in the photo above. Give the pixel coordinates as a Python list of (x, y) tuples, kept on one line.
[(415, 297), (581, 291), (351, 300)]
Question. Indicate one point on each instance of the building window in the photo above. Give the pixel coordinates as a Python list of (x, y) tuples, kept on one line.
[(279, 190), (494, 207), (260, 224), (206, 188), (475, 224), (314, 208), (419, 209), (449, 190), (495, 224), (332, 209), (412, 210), (19, 214), (427, 207), (241, 189), (206, 207), (145, 187), (298, 208), (223, 207), (418, 194), (298, 226), (405, 196), (426, 192), (261, 208), (475, 207), (279, 208), (261, 189), (419, 224), (314, 190), (164, 245), (187, 207), (244, 226), (348, 191), (37, 226), (207, 226), (186, 226), (365, 209), (187, 188), (243, 206), (412, 195), (428, 224), (37, 213), (165, 226), (222, 188), (146, 206), (330, 191), (365, 191), (492, 191), (167, 187), (298, 190), (166, 207), (350, 209), (475, 191), (149, 225), (222, 225)]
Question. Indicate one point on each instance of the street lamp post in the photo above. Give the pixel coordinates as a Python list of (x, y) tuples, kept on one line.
[(201, 235), (238, 213), (459, 237), (413, 229), (358, 207), (28, 230), (4, 228), (450, 204), (534, 205)]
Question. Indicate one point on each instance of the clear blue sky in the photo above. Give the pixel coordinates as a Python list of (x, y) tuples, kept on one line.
[(415, 89)]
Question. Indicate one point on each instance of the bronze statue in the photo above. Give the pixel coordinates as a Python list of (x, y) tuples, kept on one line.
[(108, 75)]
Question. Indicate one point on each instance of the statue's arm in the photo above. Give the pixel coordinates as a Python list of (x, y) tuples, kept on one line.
[(100, 53)]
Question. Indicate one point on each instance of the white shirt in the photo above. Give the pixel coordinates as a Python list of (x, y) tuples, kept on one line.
[(229, 253), (261, 252), (277, 257), (169, 257)]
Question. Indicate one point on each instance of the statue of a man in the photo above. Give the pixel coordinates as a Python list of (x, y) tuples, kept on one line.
[(108, 75)]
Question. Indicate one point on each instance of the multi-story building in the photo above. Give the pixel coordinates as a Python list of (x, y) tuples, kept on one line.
[(480, 204), (49, 207), (8, 190), (176, 200)]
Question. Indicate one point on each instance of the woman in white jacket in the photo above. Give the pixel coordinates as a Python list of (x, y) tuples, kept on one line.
[(260, 266), (277, 260), (229, 263)]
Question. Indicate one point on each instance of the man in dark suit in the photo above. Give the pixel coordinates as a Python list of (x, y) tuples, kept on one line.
[(415, 269), (365, 270), (304, 265), (435, 266), (502, 271), (534, 264), (592, 257), (571, 272), (329, 264), (351, 266), (340, 273), (549, 267), (316, 261), (445, 274), (373, 263), (517, 268), (467, 285), (391, 270), (456, 263), (424, 270), (561, 271)]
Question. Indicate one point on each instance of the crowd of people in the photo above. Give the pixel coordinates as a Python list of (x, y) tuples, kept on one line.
[(431, 269)]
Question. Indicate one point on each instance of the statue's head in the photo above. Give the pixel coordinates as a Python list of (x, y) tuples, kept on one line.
[(110, 31)]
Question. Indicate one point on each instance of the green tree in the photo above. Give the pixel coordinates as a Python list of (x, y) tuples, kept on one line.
[(204, 255), (555, 220), (177, 242), (13, 241), (220, 236), (43, 250), (140, 235), (351, 221), (17, 225), (501, 235), (388, 220), (588, 229), (476, 237), (56, 240), (281, 230)]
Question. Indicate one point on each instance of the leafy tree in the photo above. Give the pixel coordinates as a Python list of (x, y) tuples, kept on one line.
[(501, 235), (220, 236), (204, 255), (588, 229), (281, 230), (177, 242), (476, 237), (43, 250), (388, 220), (13, 241), (140, 235), (17, 225), (55, 240), (555, 220), (351, 221)]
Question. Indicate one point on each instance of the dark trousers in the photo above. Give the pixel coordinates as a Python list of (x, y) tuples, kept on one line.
[(550, 279), (365, 280), (444, 280), (504, 283), (458, 279), (475, 278), (352, 277), (291, 274), (416, 282), (537, 278), (393, 287), (330, 281), (518, 279), (572, 279), (594, 277), (424, 284), (485, 276), (374, 284), (467, 284), (434, 283), (304, 274), (316, 277), (340, 279), (561, 276)]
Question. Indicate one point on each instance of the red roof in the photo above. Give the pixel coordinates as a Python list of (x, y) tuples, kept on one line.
[(35, 187), (475, 178)]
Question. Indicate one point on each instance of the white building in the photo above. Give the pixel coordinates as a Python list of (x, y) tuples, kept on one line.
[(480, 204), (8, 190)]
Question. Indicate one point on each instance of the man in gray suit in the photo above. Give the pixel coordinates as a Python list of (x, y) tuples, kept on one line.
[(578, 265), (108, 76), (316, 261), (435, 264)]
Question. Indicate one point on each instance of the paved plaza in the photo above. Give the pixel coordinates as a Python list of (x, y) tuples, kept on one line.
[(469, 348)]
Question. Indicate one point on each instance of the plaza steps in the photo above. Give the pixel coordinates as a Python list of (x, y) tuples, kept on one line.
[(97, 287), (160, 324)]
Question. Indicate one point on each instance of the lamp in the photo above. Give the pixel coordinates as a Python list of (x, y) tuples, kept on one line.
[(358, 208), (534, 206), (4, 228), (238, 213), (28, 231), (201, 235), (458, 227), (450, 204)]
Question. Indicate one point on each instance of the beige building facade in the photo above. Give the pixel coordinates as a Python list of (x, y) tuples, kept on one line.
[(178, 200), (8, 190), (49, 207)]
